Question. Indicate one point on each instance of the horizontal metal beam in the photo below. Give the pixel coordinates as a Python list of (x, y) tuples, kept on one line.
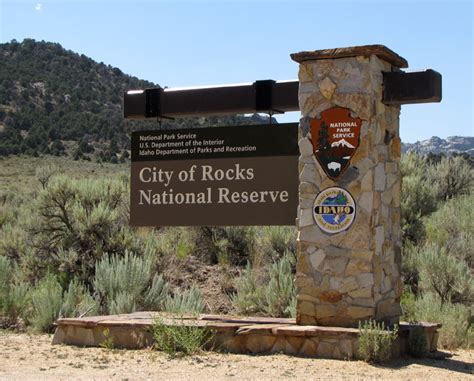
[(265, 96), (261, 96), (409, 88)]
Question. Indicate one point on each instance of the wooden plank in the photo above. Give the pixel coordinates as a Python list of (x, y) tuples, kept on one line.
[(380, 51), (261, 96), (410, 88), (265, 96)]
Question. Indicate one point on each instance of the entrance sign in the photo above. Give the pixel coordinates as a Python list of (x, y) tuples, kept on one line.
[(348, 270), (238, 175), (335, 139), (334, 210)]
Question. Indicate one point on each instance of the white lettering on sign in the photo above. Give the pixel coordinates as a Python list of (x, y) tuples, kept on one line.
[(347, 135), (205, 173), (342, 124), (171, 198), (226, 196), (236, 173), (152, 175)]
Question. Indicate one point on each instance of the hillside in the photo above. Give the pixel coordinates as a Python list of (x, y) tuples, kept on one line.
[(53, 100), (49, 95), (435, 145)]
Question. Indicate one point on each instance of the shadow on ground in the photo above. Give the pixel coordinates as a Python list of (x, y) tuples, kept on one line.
[(439, 359)]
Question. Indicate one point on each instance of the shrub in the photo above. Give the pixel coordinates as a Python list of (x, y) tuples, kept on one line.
[(273, 242), (241, 243), (122, 303), (249, 297), (456, 330), (78, 302), (412, 164), (375, 341), (44, 173), (453, 177), (46, 300), (115, 275), (408, 303), (85, 216), (13, 294), (108, 342), (418, 196), (410, 267), (176, 242), (189, 301), (49, 302), (156, 294), (149, 243), (5, 280), (280, 293), (209, 242), (125, 284), (220, 247), (451, 227), (180, 337), (7, 212), (444, 274), (233, 245), (18, 303), (276, 298), (12, 241)]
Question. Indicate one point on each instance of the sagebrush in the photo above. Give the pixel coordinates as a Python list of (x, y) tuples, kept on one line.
[(180, 337), (375, 341)]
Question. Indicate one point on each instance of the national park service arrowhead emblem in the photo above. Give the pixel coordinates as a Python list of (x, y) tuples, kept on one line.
[(335, 139)]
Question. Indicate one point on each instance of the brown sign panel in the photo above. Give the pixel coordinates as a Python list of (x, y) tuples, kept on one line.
[(215, 176), (335, 139)]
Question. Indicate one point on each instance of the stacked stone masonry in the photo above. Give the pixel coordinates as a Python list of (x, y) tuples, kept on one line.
[(250, 335), (353, 275)]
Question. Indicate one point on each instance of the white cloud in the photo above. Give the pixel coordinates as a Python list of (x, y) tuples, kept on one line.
[(39, 7)]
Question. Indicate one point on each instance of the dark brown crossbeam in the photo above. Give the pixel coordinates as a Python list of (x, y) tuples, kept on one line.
[(261, 96), (264, 96), (416, 87)]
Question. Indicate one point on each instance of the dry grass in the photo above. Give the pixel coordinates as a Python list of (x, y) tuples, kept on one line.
[(18, 172)]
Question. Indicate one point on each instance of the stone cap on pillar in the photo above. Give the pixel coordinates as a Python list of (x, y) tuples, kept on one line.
[(380, 51)]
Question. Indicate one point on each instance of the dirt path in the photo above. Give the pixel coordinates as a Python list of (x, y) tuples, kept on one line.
[(32, 357)]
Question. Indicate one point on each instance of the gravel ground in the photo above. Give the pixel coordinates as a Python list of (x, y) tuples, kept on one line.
[(32, 357)]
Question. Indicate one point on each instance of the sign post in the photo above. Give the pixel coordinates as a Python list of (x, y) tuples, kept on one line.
[(348, 201), (349, 240)]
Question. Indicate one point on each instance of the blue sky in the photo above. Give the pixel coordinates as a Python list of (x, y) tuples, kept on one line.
[(187, 43)]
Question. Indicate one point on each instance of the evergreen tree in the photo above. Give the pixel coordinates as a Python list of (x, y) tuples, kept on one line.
[(323, 137)]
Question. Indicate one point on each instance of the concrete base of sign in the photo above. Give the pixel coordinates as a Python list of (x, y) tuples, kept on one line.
[(247, 335)]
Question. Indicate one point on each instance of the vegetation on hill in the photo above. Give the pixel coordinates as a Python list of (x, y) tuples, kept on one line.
[(54, 101), (49, 95)]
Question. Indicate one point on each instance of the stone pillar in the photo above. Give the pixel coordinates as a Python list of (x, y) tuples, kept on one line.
[(352, 275)]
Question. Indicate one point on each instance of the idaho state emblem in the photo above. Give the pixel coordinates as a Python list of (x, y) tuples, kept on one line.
[(335, 139), (334, 210)]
